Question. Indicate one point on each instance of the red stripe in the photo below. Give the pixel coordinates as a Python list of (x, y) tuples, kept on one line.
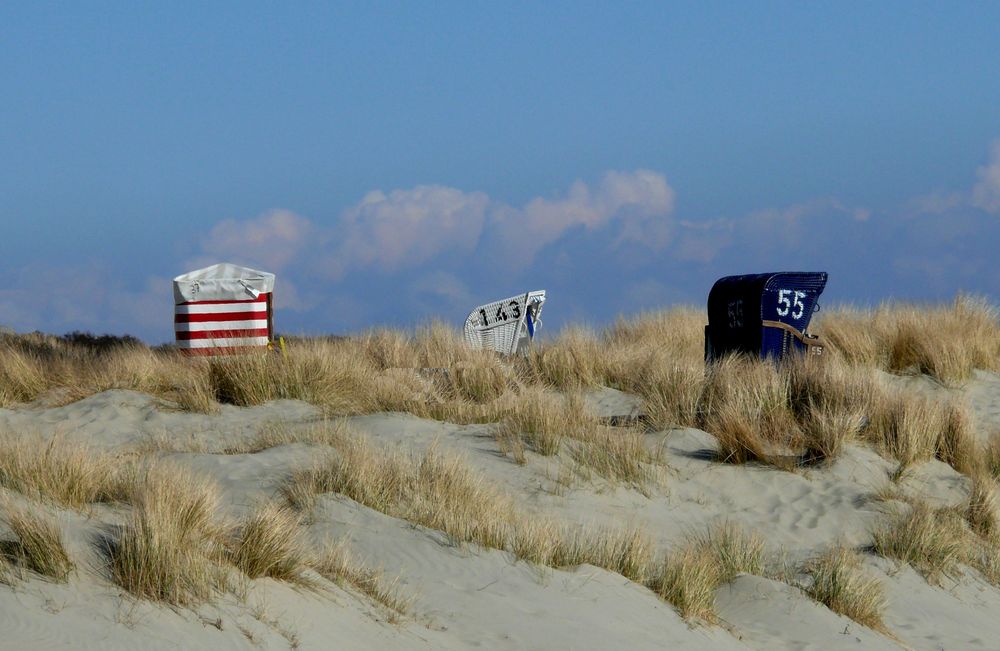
[(222, 350), (220, 316), (260, 299), (220, 334)]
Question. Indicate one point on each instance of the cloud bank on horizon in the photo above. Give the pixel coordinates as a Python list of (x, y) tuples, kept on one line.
[(603, 248)]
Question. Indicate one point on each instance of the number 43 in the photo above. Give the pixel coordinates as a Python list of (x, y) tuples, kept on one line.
[(795, 305)]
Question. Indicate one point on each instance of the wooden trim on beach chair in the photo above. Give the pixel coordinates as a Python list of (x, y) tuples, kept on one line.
[(814, 344)]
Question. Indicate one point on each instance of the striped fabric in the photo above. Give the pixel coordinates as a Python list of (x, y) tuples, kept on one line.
[(222, 327)]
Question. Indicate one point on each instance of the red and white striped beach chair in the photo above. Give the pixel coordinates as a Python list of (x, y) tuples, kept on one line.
[(223, 309)]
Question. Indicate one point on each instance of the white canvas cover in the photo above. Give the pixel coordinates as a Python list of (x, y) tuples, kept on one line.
[(222, 282), (506, 326)]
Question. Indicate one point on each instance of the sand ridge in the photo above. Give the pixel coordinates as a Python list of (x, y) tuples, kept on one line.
[(466, 596)]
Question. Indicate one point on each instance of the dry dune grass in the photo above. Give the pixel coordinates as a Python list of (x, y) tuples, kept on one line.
[(320, 372), (542, 419), (930, 540), (328, 432), (618, 454), (745, 404), (546, 422), (61, 471), (689, 576), (7, 575), (23, 376), (990, 454), (804, 410), (910, 428), (831, 402), (439, 491), (671, 389), (735, 550), (169, 548), (573, 360), (38, 547), (839, 583), (981, 512), (268, 543), (688, 580), (944, 341), (938, 541), (335, 563), (658, 356), (801, 411)]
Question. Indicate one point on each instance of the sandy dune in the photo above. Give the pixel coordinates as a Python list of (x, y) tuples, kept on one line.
[(466, 597)]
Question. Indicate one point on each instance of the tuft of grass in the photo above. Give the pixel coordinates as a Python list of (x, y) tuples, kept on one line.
[(335, 563), (573, 360), (482, 380), (615, 453), (320, 372), (627, 551), (169, 547), (385, 349), (990, 454), (688, 580), (736, 551), (268, 543), (671, 390), (541, 420), (546, 423), (689, 577), (23, 376), (839, 584), (327, 433), (60, 471), (946, 343), (7, 576), (824, 433), (745, 405), (906, 427), (39, 545), (855, 335), (956, 444), (931, 540), (830, 400), (981, 510)]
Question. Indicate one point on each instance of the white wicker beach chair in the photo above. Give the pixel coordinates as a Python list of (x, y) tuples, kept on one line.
[(506, 326)]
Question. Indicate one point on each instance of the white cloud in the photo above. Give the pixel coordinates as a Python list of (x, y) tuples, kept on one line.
[(986, 192), (403, 229), (270, 241), (641, 201), (407, 227)]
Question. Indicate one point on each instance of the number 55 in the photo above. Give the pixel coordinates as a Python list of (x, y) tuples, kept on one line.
[(795, 305)]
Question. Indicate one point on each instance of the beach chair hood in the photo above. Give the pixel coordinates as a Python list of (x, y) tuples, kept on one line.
[(222, 282)]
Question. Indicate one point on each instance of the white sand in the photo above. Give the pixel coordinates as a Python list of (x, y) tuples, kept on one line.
[(466, 597)]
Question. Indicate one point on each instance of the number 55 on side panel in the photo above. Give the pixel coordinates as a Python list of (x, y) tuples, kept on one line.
[(795, 305)]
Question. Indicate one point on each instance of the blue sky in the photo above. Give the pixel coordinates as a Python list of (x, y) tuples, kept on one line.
[(399, 162)]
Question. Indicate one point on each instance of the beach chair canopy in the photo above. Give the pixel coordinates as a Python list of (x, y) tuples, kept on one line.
[(223, 309), (763, 314), (506, 326)]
